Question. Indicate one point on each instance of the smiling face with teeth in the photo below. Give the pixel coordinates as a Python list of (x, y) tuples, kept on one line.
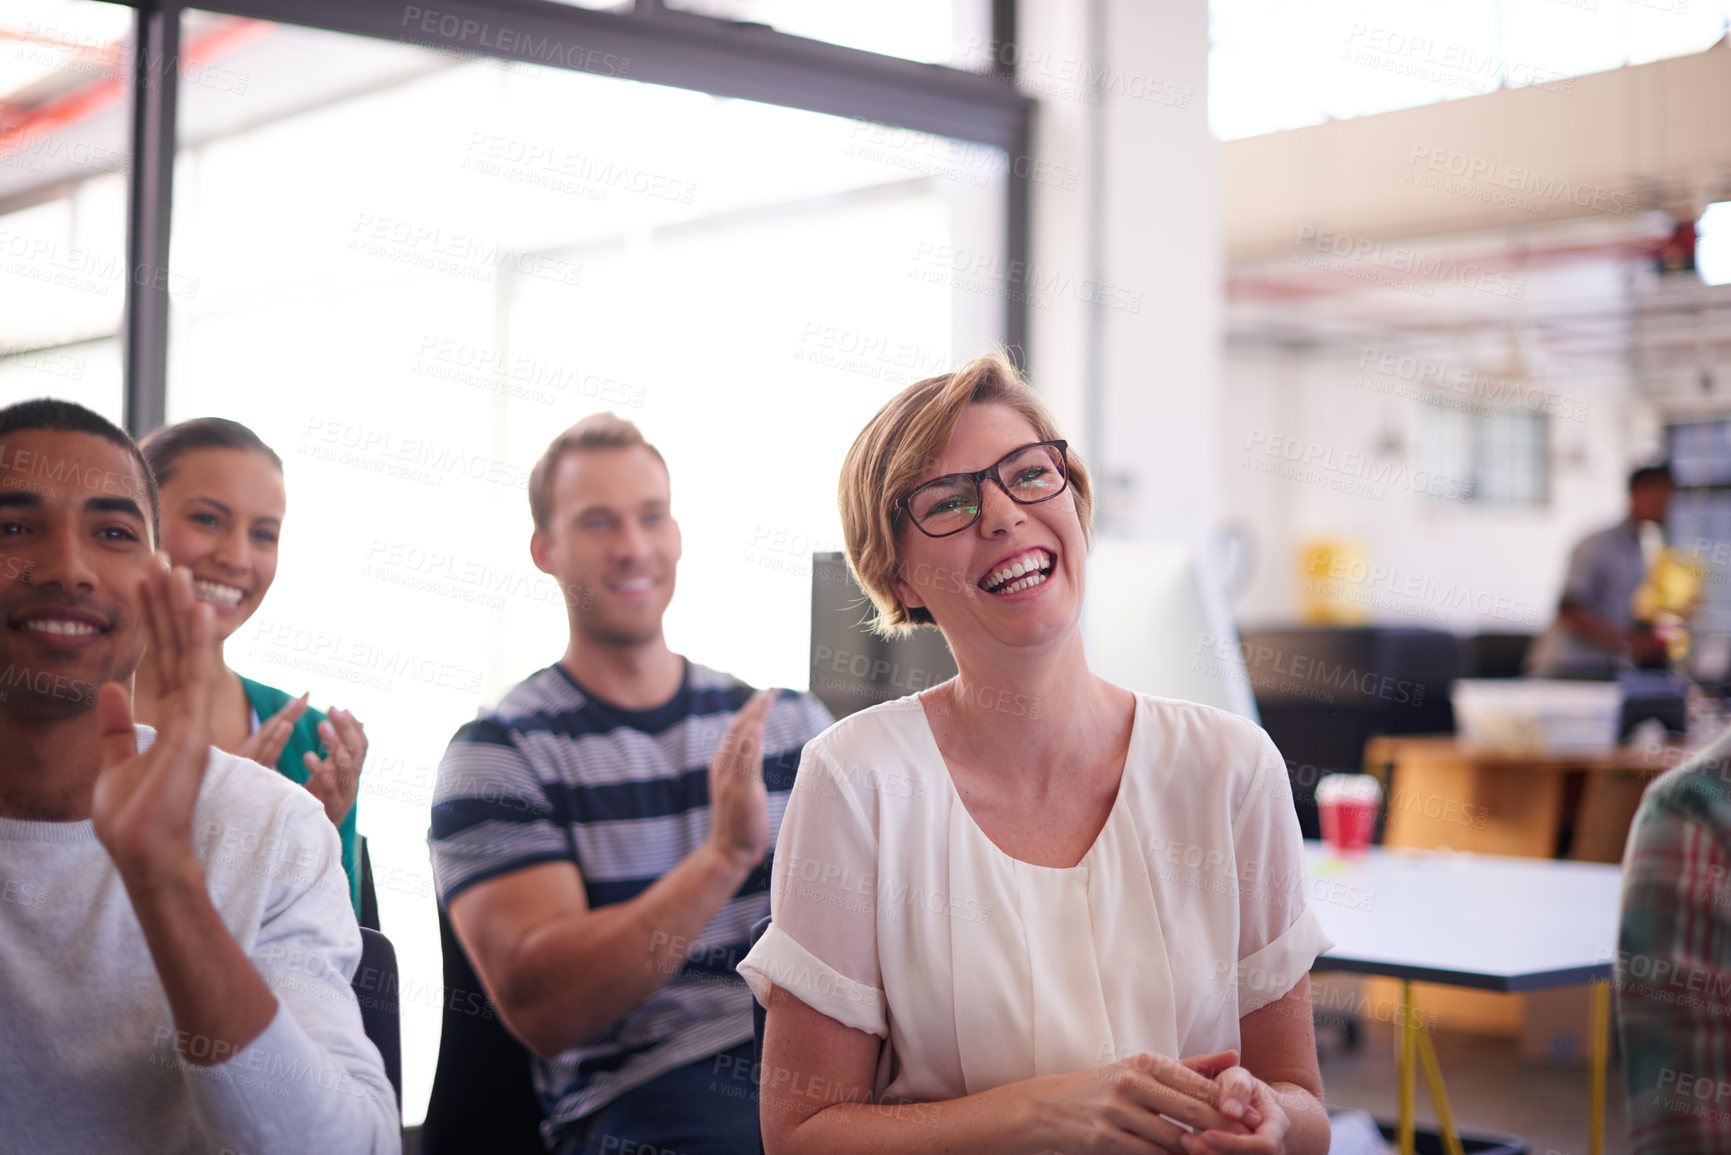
[(1015, 576), (75, 542), (222, 514), (612, 543)]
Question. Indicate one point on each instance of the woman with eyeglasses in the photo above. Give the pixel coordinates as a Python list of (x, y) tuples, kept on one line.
[(223, 504), (1026, 910)]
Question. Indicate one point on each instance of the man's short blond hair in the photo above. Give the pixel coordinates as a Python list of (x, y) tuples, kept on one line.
[(899, 443), (596, 431)]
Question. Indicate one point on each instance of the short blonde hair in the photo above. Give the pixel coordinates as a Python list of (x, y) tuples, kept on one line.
[(900, 442), (596, 431)]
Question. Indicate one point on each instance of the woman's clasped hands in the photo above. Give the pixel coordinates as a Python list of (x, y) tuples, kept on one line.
[(1152, 1105)]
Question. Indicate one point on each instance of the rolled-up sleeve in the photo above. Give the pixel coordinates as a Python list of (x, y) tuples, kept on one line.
[(822, 943), (1279, 936)]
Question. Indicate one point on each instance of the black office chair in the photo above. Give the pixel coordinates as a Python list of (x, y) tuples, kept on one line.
[(369, 894), (483, 1088), (1495, 655), (375, 987), (758, 1018)]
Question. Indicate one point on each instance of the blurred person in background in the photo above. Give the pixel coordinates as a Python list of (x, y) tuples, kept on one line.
[(600, 838), (223, 503), (1596, 632)]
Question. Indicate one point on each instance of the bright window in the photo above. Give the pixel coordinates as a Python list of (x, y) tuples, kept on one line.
[(1483, 455), (934, 31), (412, 271), (1713, 244), (63, 159)]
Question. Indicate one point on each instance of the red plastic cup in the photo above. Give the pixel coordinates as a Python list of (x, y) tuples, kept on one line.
[(1347, 804)]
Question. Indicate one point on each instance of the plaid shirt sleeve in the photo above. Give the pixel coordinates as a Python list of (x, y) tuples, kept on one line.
[(1673, 986)]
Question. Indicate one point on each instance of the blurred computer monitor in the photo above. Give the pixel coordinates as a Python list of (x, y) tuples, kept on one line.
[(1154, 620), (851, 667), (1151, 621)]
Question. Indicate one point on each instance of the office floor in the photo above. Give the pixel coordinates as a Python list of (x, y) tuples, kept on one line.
[(1490, 1087)]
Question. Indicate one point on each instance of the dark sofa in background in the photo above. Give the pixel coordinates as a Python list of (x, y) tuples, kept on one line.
[(1324, 691)]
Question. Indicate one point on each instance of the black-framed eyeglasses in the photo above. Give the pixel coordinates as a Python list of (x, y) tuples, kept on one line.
[(950, 504)]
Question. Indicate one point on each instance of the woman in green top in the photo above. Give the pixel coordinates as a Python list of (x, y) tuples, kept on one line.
[(222, 510)]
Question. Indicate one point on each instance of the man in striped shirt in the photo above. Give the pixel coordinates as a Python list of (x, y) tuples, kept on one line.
[(1674, 961), (600, 839)]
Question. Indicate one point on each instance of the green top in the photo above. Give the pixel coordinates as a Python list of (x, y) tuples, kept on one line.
[(266, 701)]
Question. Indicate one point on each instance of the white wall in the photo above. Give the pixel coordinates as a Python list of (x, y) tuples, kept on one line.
[(1140, 232), (1466, 567), (1329, 239)]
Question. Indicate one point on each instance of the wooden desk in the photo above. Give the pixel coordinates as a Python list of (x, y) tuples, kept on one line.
[(1442, 793)]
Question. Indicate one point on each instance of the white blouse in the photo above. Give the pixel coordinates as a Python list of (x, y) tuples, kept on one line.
[(895, 914)]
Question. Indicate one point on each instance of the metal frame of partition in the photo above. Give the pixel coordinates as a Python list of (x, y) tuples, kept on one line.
[(150, 195), (650, 43)]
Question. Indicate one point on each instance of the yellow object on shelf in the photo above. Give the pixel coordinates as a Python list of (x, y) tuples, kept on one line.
[(1334, 583)]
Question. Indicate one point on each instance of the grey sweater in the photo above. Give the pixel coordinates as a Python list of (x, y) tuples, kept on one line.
[(88, 1058)]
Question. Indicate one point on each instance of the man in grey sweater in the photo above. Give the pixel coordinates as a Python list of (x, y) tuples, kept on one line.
[(176, 940), (1596, 630)]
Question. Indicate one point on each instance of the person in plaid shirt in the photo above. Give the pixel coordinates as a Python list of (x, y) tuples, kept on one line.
[(1674, 961)]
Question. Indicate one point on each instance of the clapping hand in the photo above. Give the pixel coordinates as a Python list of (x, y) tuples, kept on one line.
[(264, 745), (738, 799), (336, 780), (142, 805), (142, 810)]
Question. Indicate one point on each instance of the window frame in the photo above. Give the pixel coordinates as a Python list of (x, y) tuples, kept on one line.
[(1478, 433), (1716, 485), (663, 46)]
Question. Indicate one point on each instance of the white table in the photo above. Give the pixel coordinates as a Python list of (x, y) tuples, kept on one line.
[(1481, 921)]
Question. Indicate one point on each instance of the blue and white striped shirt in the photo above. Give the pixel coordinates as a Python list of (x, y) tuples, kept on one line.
[(557, 775)]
